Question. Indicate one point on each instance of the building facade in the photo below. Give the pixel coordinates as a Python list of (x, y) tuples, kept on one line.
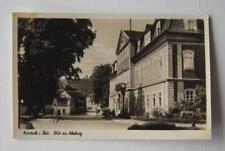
[(159, 66), (83, 87)]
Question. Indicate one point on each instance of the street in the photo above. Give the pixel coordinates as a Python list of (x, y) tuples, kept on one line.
[(88, 121), (92, 121)]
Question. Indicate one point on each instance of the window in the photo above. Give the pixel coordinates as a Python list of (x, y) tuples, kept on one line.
[(147, 38), (189, 94), (190, 25), (188, 60), (160, 62), (147, 101), (160, 99), (153, 98), (138, 45), (158, 28)]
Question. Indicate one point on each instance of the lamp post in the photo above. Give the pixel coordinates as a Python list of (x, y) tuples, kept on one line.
[(19, 110)]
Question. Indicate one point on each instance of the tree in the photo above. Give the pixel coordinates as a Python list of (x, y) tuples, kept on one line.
[(193, 109), (101, 77), (48, 49)]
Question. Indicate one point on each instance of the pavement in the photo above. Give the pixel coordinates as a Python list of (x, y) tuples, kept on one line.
[(84, 124), (91, 121)]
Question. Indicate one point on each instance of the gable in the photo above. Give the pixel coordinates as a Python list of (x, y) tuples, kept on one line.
[(122, 41)]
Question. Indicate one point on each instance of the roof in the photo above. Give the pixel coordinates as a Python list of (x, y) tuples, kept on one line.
[(69, 88), (64, 94), (76, 94), (130, 35), (133, 35), (172, 30)]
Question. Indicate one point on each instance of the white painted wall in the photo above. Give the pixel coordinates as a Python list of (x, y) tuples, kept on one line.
[(215, 8), (148, 70), (156, 89)]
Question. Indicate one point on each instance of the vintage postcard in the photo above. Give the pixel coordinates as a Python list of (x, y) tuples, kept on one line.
[(105, 76)]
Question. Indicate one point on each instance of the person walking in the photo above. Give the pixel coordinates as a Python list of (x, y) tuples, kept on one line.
[(54, 109)]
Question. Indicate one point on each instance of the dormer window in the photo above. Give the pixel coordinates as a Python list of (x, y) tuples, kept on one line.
[(147, 38), (188, 60), (158, 28), (138, 45), (190, 25)]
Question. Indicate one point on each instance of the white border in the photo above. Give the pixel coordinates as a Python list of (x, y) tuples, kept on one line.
[(116, 134)]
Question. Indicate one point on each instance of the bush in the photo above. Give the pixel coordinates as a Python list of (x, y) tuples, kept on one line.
[(173, 112), (203, 116), (124, 115), (48, 109), (153, 126), (106, 112), (157, 113)]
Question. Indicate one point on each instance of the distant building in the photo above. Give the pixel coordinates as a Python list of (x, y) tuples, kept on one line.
[(85, 89), (64, 104), (160, 65), (84, 86), (69, 100)]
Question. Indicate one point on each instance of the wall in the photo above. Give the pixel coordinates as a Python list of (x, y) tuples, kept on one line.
[(215, 8), (155, 89), (152, 68)]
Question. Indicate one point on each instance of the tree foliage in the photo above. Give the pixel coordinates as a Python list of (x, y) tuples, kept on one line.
[(193, 109), (101, 77), (48, 49), (120, 87)]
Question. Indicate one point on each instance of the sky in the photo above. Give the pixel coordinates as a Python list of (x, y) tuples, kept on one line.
[(104, 46)]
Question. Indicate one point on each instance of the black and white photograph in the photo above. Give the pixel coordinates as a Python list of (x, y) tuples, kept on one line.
[(111, 76)]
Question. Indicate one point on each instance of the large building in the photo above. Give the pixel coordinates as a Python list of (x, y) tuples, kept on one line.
[(160, 65)]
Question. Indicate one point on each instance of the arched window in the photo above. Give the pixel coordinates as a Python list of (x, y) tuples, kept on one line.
[(160, 99), (153, 98), (188, 60)]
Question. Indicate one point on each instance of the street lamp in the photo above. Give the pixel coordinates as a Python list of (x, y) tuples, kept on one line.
[(19, 110)]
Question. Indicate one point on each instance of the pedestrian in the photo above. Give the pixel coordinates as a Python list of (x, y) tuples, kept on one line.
[(58, 115), (54, 109)]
